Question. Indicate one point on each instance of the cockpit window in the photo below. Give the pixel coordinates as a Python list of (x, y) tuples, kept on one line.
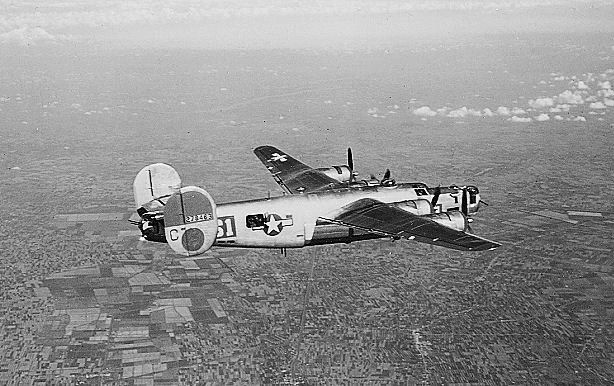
[(421, 192)]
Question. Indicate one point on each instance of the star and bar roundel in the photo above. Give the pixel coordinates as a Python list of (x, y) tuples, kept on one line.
[(274, 224)]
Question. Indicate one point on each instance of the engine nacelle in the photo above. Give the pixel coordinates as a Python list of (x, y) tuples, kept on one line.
[(418, 207), (190, 221), (452, 219), (340, 173)]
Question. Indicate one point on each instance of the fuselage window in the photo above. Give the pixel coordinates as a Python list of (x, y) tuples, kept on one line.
[(254, 220)]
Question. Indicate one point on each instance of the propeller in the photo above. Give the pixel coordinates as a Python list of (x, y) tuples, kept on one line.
[(350, 160), (436, 195), (386, 175), (387, 180), (351, 165), (464, 207)]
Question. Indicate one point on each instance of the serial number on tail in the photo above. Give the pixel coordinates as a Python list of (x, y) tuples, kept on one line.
[(199, 217)]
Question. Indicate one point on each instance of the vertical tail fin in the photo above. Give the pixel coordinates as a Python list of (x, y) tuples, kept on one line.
[(155, 181), (190, 221)]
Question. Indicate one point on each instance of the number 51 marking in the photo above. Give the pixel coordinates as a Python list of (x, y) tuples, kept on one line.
[(226, 227)]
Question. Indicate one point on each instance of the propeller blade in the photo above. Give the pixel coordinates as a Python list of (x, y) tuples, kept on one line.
[(464, 208), (483, 203), (387, 174), (350, 160), (436, 195)]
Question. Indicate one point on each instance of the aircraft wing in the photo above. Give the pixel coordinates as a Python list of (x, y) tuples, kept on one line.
[(292, 175), (378, 217)]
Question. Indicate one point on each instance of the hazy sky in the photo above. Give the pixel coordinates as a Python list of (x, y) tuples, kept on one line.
[(285, 23)]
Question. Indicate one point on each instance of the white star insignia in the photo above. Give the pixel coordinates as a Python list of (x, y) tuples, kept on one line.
[(278, 157), (273, 225)]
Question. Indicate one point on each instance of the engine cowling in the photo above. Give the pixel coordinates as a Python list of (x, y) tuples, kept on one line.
[(418, 207), (190, 221), (341, 173), (451, 219)]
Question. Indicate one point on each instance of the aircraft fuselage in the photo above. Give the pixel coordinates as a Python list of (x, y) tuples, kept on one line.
[(294, 221)]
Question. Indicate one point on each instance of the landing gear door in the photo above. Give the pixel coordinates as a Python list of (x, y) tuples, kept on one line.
[(190, 221)]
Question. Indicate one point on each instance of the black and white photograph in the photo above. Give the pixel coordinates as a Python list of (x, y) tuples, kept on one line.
[(307, 192)]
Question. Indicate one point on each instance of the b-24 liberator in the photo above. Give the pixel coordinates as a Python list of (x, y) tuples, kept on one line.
[(320, 206)]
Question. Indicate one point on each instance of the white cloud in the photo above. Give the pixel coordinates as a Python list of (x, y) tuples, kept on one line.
[(463, 112), (541, 103), (609, 102), (569, 97), (233, 21), (488, 112), (519, 119), (558, 118), (502, 110), (579, 119), (606, 84), (606, 93), (458, 113), (518, 111), (25, 36), (582, 86), (542, 117), (424, 111), (597, 105)]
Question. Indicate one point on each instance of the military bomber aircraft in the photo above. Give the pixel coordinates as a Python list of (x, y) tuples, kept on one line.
[(321, 206)]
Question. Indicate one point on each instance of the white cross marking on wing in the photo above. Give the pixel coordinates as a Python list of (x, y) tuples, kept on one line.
[(278, 157)]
